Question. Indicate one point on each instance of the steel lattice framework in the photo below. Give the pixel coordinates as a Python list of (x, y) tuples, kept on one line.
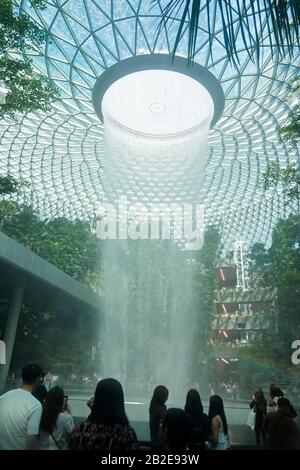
[(61, 152)]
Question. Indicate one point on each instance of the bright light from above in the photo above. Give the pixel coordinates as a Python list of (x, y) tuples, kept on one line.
[(158, 102)]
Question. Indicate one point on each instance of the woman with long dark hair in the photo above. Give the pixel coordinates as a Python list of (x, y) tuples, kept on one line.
[(200, 422), (259, 404), (157, 411), (56, 426), (219, 437), (275, 394), (108, 427)]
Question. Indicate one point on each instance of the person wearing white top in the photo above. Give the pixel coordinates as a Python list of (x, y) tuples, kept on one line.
[(20, 413), (219, 439), (56, 426)]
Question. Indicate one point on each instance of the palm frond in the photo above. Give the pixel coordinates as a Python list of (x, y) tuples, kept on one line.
[(256, 29), (244, 22), (194, 21), (208, 13), (245, 31), (168, 14)]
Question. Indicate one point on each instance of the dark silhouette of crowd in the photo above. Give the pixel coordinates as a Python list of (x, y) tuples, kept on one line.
[(35, 418), (277, 428)]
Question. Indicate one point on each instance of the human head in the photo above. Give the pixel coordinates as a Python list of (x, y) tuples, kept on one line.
[(216, 407), (53, 405), (159, 397), (108, 406), (285, 405), (193, 404), (258, 393), (175, 430), (32, 376), (275, 391)]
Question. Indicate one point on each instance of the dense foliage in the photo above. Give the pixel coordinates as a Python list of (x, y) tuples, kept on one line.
[(277, 267), (290, 132), (287, 179), (68, 244), (27, 90)]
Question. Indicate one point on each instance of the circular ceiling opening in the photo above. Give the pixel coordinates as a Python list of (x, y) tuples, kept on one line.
[(156, 94), (158, 103)]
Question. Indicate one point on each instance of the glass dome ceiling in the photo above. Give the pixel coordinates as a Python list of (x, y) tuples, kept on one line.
[(61, 152)]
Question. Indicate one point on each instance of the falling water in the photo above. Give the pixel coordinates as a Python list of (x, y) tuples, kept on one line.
[(156, 127)]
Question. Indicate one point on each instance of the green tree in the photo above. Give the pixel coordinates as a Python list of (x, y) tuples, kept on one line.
[(258, 256), (285, 252), (289, 302), (205, 285), (206, 281), (280, 267), (71, 246), (10, 185), (285, 270), (26, 90), (68, 244), (290, 132), (287, 179), (20, 222), (260, 360)]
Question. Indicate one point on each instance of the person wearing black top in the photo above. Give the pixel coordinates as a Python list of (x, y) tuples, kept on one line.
[(157, 411), (200, 422), (259, 403), (175, 431)]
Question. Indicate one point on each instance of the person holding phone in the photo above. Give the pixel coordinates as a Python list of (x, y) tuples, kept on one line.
[(259, 405), (56, 422)]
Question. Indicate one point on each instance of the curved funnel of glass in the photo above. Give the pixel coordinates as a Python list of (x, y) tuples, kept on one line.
[(157, 115)]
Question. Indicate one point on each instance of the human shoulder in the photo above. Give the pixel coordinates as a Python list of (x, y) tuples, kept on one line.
[(158, 412), (33, 402), (22, 396), (216, 421), (217, 418), (65, 422), (15, 392), (8, 395), (65, 418)]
